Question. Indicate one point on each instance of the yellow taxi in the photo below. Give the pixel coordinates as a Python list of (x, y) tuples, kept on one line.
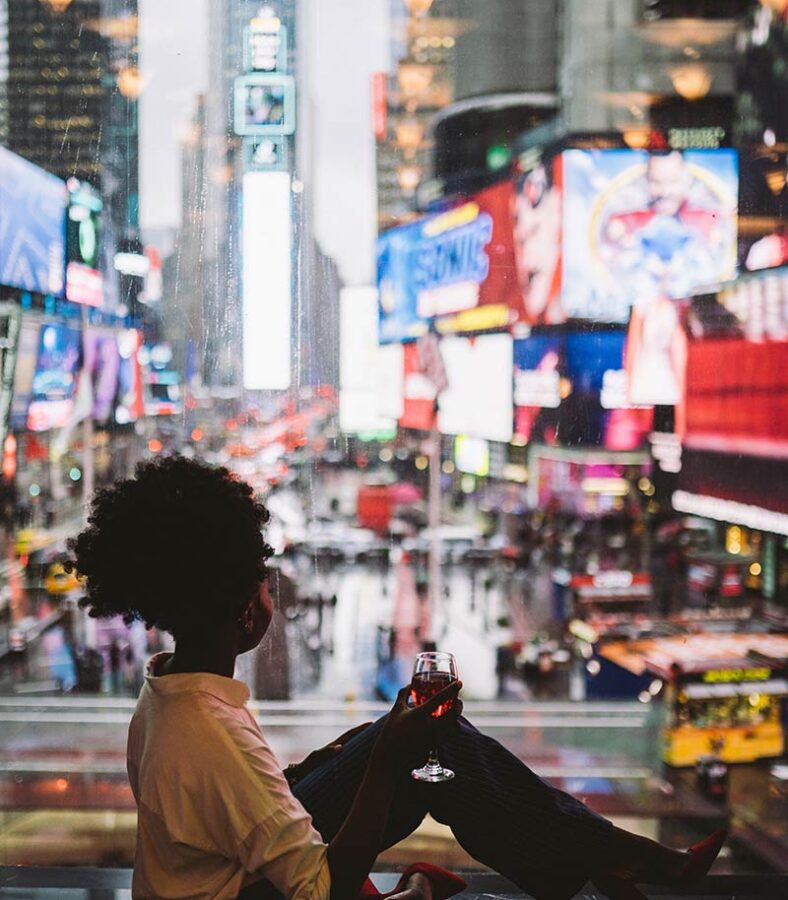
[(58, 581)]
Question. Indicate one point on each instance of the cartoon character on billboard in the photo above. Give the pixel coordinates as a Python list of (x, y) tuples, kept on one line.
[(537, 242), (640, 225), (678, 234)]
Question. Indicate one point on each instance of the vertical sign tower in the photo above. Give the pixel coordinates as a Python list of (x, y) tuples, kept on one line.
[(264, 116)]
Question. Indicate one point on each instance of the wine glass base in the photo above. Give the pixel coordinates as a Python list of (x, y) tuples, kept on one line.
[(432, 774)]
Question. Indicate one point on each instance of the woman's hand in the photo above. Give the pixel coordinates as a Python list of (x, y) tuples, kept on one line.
[(410, 732), (417, 888)]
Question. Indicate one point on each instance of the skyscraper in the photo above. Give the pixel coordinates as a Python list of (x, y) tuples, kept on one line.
[(313, 351), (68, 100)]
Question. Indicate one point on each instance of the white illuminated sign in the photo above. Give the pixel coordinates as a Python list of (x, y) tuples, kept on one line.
[(132, 264), (358, 362), (731, 511), (478, 400), (267, 285)]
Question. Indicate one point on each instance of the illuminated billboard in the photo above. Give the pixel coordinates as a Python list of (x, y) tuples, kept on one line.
[(267, 281), (101, 363), (640, 225), (32, 227), (359, 363), (597, 231), (454, 268), (26, 358), (52, 394), (84, 281), (538, 367), (537, 220), (570, 389), (472, 456), (129, 405), (478, 400), (264, 104)]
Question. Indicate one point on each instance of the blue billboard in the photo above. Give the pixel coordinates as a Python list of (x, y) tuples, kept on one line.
[(455, 268), (32, 227)]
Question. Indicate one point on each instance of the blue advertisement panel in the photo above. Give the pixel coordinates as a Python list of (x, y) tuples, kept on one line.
[(640, 225), (538, 369), (32, 227), (570, 389), (52, 395), (455, 268)]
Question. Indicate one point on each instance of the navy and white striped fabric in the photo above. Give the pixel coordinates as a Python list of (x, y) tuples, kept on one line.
[(500, 811)]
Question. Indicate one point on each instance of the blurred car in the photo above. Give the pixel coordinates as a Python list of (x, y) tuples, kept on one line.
[(711, 775), (58, 581)]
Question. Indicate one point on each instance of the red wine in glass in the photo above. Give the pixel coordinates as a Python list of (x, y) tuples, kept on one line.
[(433, 672), (426, 685)]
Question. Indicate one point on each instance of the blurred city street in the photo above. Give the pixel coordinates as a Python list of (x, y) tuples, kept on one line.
[(487, 303)]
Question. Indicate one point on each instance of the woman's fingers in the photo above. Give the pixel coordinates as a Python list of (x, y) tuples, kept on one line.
[(450, 692)]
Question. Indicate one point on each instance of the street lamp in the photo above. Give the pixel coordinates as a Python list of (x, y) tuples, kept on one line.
[(58, 6), (130, 82), (408, 178), (413, 78), (410, 134), (692, 81), (418, 7)]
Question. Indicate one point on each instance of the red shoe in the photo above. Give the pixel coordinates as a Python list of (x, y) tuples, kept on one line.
[(444, 884), (702, 855)]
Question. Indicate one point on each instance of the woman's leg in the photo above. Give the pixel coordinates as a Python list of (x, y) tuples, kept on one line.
[(511, 820), (327, 793), (500, 811)]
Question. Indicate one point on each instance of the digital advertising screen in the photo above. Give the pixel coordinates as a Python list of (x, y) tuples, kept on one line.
[(418, 392), (264, 104), (52, 394), (638, 226), (84, 281), (10, 321), (455, 268), (656, 360), (478, 400), (32, 227), (26, 358), (102, 365), (571, 389), (267, 285), (129, 404), (598, 411), (537, 223), (538, 369), (472, 455)]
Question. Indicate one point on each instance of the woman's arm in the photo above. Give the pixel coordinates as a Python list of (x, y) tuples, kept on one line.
[(404, 741)]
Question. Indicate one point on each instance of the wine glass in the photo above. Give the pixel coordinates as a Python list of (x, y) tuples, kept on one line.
[(432, 672)]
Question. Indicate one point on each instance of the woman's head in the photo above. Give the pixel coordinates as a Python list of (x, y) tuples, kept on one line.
[(179, 547)]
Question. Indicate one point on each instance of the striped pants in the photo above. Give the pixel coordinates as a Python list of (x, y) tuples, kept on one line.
[(500, 812)]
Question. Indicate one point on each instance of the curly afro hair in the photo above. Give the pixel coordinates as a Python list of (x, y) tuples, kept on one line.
[(179, 546)]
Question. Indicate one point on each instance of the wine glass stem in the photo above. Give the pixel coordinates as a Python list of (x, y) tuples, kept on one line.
[(433, 762)]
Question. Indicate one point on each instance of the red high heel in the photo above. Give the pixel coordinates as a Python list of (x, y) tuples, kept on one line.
[(702, 855), (444, 884)]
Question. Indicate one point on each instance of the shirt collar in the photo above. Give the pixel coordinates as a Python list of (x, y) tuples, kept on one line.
[(228, 690)]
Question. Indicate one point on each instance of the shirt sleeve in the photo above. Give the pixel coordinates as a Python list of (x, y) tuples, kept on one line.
[(261, 823)]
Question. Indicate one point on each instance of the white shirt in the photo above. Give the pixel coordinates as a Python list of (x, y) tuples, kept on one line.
[(215, 812)]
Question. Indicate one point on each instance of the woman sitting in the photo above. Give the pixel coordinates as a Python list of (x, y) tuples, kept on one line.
[(180, 547)]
